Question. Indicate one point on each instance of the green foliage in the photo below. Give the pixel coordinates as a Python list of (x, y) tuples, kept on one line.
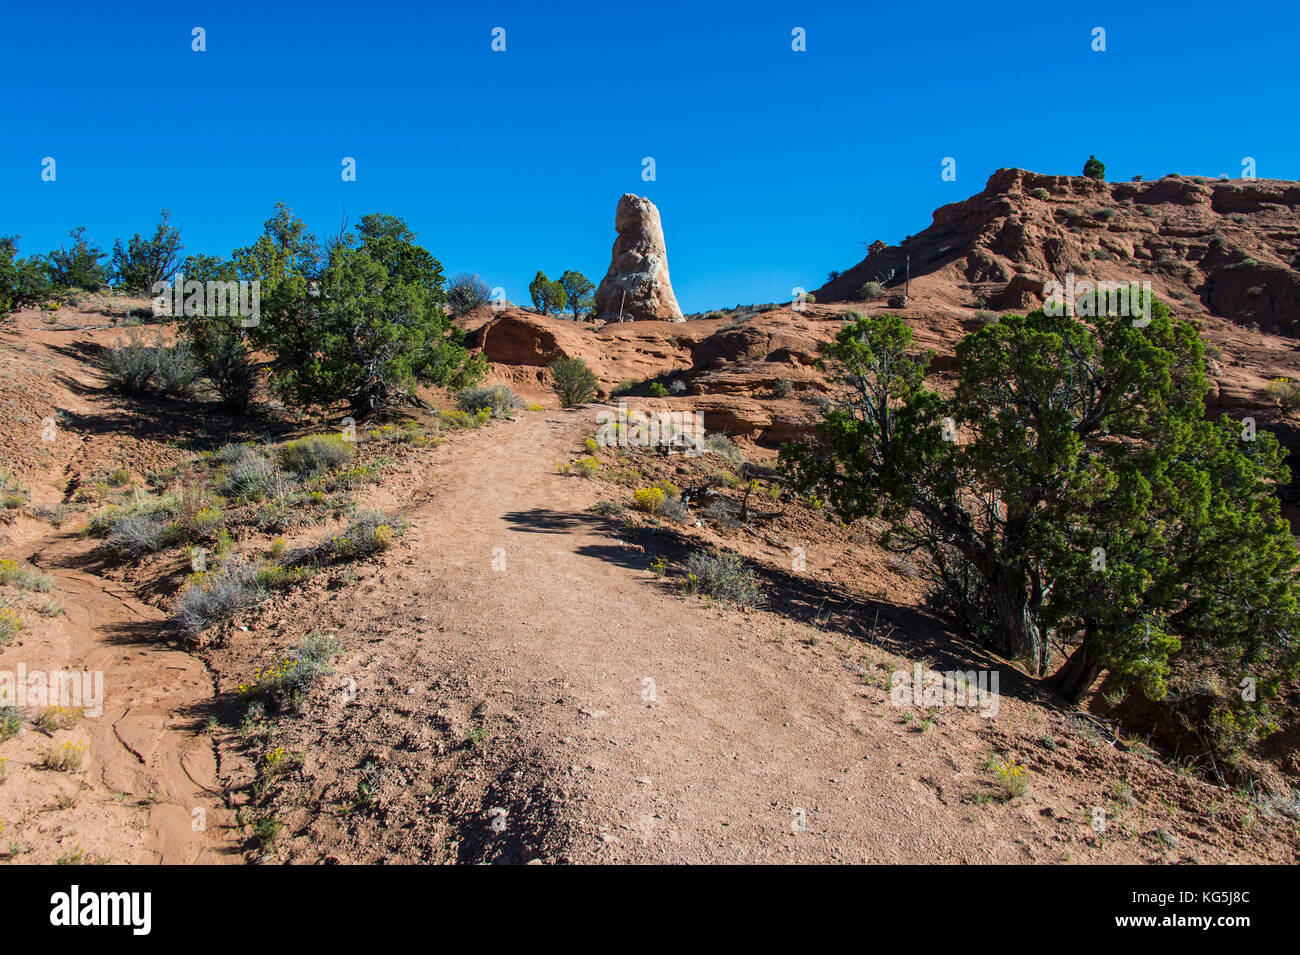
[(79, 266), (316, 454), (548, 296), (221, 344), (578, 291), (724, 577), (360, 323), (1094, 168), (573, 380), (142, 262), (23, 282), (1071, 493)]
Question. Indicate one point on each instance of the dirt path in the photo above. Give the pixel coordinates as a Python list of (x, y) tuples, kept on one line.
[(147, 792), (651, 727)]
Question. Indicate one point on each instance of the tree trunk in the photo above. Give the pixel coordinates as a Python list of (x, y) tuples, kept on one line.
[(1077, 674)]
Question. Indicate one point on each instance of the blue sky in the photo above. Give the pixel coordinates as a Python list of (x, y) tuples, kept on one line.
[(772, 166)]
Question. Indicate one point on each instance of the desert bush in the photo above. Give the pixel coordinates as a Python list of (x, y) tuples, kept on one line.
[(573, 381), (1040, 193), (677, 386), (253, 477), (67, 758), (234, 453), (140, 533), (611, 509), (11, 624), (587, 467), (369, 532), (11, 721), (133, 367), (499, 399), (316, 454), (465, 293), (722, 446), (870, 290), (649, 499), (722, 576), (282, 685), (722, 511), (216, 594), (673, 509), (464, 420), (782, 387), (25, 576), (658, 390)]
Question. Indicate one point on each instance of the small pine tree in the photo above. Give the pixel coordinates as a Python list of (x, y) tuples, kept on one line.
[(1094, 168)]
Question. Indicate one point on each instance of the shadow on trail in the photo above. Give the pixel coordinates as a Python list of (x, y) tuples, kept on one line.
[(833, 609)]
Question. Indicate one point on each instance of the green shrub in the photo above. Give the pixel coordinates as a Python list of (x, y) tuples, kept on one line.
[(499, 399), (316, 454), (1094, 168), (573, 380), (722, 446), (282, 685), (1040, 193), (78, 267), (369, 532), (722, 576), (11, 721), (658, 390)]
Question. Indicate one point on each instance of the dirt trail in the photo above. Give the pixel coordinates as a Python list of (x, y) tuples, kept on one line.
[(148, 791), (678, 732)]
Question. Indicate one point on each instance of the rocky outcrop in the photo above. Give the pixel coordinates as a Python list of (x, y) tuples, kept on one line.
[(1229, 248), (637, 286)]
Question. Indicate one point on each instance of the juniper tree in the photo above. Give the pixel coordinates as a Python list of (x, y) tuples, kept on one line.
[(578, 291), (78, 266), (142, 262), (1070, 495)]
